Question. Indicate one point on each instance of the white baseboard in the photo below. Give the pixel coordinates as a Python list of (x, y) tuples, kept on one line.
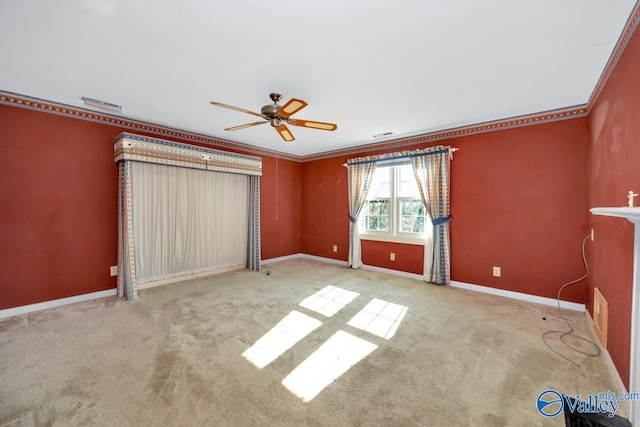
[(477, 288), (305, 256), (184, 277), (518, 295), (9, 312), (328, 260), (393, 272), (280, 258), (15, 311), (611, 367)]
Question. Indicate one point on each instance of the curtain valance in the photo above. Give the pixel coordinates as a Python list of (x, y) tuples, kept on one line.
[(400, 155), (131, 147)]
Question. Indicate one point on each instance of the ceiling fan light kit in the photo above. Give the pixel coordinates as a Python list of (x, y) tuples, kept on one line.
[(279, 116)]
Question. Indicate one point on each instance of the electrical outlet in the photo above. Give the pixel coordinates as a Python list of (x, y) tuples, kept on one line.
[(113, 270), (497, 271), (592, 235), (392, 256), (335, 248)]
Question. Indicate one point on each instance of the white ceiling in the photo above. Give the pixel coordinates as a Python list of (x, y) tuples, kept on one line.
[(405, 66)]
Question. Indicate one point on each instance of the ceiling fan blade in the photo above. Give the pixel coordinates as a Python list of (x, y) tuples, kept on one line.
[(246, 126), (312, 124), (285, 133), (231, 107), (291, 107)]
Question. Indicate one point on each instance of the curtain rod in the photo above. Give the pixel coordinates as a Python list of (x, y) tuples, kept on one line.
[(449, 150)]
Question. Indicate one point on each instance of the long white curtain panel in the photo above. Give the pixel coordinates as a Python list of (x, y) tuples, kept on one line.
[(187, 220)]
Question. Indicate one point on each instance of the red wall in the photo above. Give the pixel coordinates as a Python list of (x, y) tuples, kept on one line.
[(280, 211), (325, 208), (518, 201), (58, 207), (614, 165), (409, 258), (58, 198)]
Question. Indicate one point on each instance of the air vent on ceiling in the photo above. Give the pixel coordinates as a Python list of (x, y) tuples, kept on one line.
[(97, 103), (383, 134)]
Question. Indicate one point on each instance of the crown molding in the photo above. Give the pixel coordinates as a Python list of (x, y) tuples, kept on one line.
[(404, 143), (625, 36), (37, 104)]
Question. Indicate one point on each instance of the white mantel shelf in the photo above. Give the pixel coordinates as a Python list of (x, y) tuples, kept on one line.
[(633, 215)]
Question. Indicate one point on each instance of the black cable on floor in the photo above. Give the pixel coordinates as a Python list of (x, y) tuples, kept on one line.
[(571, 332)]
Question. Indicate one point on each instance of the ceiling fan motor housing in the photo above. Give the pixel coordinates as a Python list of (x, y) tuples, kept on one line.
[(271, 111)]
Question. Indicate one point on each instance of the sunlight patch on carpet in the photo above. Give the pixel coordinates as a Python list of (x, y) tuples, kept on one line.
[(379, 317), (294, 327), (329, 300), (332, 359)]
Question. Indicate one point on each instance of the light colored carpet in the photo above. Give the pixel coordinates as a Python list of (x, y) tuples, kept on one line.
[(174, 357)]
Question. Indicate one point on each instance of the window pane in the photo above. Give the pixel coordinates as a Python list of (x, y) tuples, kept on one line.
[(407, 186), (383, 217), (417, 207), (383, 223), (376, 215), (373, 222), (405, 208), (380, 184), (384, 208), (412, 216), (405, 226)]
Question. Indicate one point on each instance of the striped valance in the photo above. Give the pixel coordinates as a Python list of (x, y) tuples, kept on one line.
[(131, 147), (400, 155)]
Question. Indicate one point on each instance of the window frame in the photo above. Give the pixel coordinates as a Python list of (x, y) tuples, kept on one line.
[(395, 214)]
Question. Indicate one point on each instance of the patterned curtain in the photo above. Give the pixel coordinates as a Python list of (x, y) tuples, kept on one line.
[(126, 260), (253, 224), (359, 181), (432, 175), (137, 148)]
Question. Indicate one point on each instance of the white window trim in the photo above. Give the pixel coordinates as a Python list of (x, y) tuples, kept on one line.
[(393, 239), (394, 236)]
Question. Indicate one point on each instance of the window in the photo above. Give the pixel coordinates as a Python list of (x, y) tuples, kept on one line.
[(394, 210)]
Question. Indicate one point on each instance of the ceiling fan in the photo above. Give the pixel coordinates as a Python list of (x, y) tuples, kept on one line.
[(279, 117)]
